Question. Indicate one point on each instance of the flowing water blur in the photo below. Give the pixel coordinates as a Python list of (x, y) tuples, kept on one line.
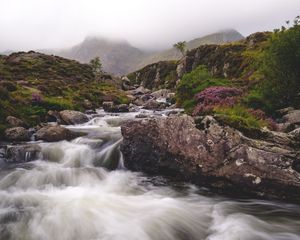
[(68, 194)]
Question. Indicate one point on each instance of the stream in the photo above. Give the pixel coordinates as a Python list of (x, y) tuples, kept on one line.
[(80, 190)]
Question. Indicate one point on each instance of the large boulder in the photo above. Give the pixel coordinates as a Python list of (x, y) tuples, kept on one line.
[(154, 105), (71, 117), (16, 122), (215, 156), (54, 133), (162, 93), (17, 134)]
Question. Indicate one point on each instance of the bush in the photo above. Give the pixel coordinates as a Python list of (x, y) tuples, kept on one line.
[(195, 82), (281, 68), (211, 97)]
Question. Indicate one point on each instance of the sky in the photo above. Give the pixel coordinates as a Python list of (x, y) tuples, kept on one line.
[(147, 24)]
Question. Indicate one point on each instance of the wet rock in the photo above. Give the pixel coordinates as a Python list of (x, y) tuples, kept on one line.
[(73, 117), (55, 133), (53, 116), (16, 122), (110, 107), (215, 156), (87, 104), (17, 134), (22, 153), (90, 112)]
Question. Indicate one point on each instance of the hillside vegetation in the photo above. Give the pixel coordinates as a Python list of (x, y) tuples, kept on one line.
[(33, 83)]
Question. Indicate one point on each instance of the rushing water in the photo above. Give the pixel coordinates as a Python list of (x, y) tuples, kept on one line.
[(68, 194)]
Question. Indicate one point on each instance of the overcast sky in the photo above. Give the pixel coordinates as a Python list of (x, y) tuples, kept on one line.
[(36, 24)]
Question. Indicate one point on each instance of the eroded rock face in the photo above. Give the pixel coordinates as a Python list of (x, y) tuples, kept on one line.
[(73, 117), (17, 134), (213, 155), (54, 133)]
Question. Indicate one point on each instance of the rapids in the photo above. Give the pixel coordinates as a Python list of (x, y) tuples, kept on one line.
[(69, 193)]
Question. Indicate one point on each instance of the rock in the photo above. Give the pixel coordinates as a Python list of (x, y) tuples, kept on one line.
[(139, 91), (293, 117), (284, 111), (55, 133), (154, 105), (107, 106), (141, 115), (162, 93), (110, 107), (16, 122), (22, 153), (87, 104), (73, 117), (90, 112), (295, 134), (171, 98), (17, 134), (215, 156), (53, 116)]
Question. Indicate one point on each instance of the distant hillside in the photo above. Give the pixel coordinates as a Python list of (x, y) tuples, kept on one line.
[(120, 58), (32, 83), (173, 54)]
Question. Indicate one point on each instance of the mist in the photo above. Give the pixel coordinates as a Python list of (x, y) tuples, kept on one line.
[(155, 24)]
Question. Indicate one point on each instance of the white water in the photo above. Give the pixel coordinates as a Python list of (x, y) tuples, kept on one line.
[(68, 195)]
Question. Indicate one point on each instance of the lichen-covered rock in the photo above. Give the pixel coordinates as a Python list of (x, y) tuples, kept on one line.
[(73, 117), (212, 155), (17, 134), (55, 133), (111, 107)]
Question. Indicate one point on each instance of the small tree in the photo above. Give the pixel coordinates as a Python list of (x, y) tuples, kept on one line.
[(96, 65), (180, 46)]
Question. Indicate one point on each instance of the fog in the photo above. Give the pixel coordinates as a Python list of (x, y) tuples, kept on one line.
[(149, 24)]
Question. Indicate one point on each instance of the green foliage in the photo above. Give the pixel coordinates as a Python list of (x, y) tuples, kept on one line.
[(193, 83), (180, 46), (281, 68), (239, 117), (56, 103), (96, 65)]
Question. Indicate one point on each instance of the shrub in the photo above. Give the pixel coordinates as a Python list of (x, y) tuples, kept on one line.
[(195, 82), (281, 68), (211, 97)]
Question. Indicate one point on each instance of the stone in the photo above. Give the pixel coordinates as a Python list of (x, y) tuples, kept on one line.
[(55, 133), (154, 105), (110, 107), (16, 122), (162, 93), (22, 153), (214, 156), (71, 117), (293, 117), (17, 134)]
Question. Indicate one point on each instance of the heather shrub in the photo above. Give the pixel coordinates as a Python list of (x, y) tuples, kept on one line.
[(212, 97), (193, 83)]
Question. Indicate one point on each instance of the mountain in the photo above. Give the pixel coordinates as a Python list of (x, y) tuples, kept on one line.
[(117, 57), (120, 58)]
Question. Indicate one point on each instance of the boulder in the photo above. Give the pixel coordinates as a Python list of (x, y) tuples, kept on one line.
[(53, 116), (16, 122), (214, 156), (139, 91), (54, 133), (22, 153), (17, 134), (162, 93), (293, 117), (110, 107), (154, 105), (71, 117)]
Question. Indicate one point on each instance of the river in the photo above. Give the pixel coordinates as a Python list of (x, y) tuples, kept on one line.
[(69, 194)]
